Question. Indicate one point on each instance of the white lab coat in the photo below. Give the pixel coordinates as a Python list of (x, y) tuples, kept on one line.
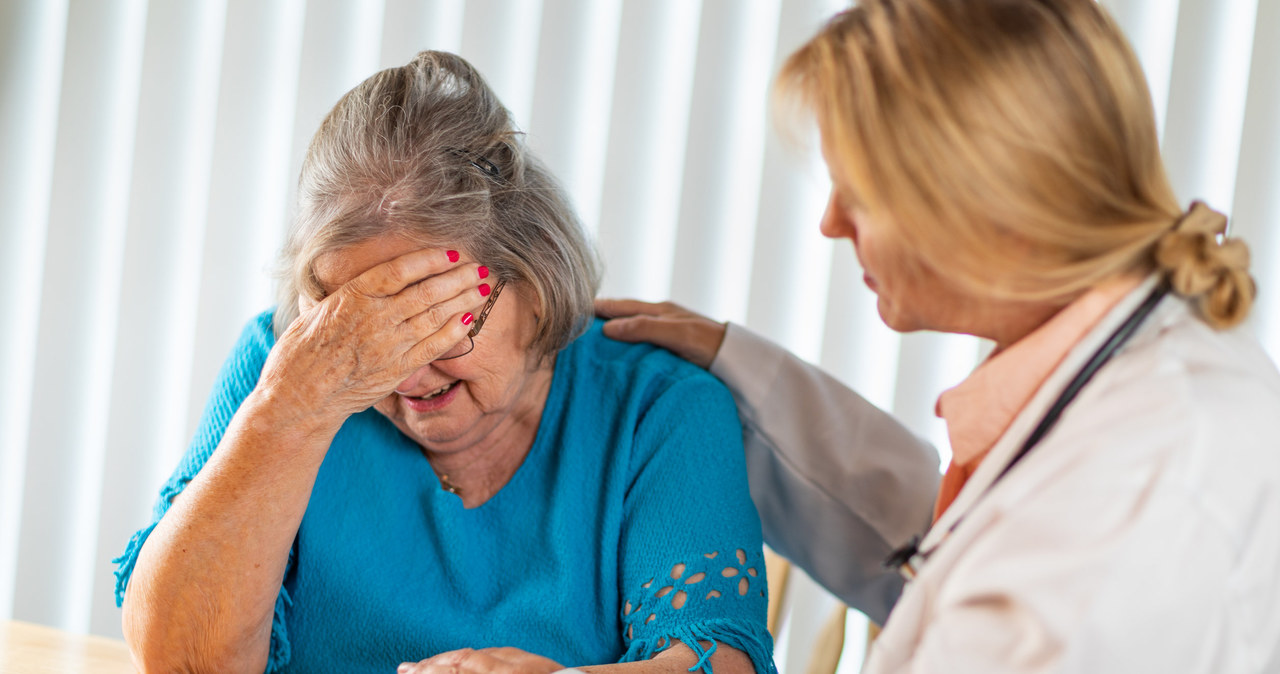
[(1141, 535)]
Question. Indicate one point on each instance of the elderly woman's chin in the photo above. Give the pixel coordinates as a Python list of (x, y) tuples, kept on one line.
[(445, 423), (471, 414)]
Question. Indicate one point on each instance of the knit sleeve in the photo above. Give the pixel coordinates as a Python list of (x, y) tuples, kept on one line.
[(692, 567), (236, 380)]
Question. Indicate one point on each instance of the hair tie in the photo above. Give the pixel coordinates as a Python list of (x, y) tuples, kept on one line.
[(1200, 219), (1202, 264)]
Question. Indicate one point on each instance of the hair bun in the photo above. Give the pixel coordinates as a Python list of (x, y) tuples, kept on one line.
[(1205, 266)]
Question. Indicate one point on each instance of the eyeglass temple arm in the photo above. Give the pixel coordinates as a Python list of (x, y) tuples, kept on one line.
[(484, 313)]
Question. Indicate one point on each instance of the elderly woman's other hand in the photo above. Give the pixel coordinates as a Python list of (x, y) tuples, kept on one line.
[(685, 333), (677, 659), (483, 661), (352, 348)]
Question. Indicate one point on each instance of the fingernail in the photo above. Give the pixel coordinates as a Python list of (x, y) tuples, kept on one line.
[(484, 289), (403, 668), (467, 318), (483, 271), (453, 255)]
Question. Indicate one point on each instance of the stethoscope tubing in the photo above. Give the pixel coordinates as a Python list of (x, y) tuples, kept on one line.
[(907, 559)]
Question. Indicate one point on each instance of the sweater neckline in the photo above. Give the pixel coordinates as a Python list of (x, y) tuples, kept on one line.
[(534, 460)]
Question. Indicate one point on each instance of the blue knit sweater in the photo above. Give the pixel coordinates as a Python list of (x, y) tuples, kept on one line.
[(627, 526)]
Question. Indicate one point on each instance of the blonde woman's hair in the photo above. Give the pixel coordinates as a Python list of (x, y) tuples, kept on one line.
[(1012, 143), (427, 151)]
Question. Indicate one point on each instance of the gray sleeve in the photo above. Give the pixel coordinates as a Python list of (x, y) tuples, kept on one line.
[(838, 482)]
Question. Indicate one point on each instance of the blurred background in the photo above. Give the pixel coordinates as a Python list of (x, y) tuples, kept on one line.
[(149, 153)]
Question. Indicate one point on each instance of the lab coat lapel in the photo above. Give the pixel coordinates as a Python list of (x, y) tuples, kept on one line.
[(1008, 445)]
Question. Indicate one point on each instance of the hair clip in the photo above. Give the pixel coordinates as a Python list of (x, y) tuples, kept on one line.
[(477, 160)]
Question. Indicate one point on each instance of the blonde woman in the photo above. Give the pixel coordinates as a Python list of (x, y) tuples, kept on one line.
[(1113, 504)]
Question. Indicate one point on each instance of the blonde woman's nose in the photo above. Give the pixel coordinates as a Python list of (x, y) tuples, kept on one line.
[(835, 222)]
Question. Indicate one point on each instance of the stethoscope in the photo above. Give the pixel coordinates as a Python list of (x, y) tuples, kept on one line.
[(908, 559)]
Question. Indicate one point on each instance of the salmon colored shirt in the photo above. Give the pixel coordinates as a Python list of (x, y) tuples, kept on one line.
[(980, 409)]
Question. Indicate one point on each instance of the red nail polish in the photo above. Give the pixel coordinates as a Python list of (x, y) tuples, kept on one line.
[(453, 255), (483, 271), (484, 289), (467, 318)]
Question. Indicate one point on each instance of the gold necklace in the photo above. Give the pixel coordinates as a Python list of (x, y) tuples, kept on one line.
[(449, 486)]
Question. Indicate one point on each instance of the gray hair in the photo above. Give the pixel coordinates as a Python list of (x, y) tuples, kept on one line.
[(427, 151)]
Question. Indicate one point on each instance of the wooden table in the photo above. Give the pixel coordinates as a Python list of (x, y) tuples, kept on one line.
[(36, 649)]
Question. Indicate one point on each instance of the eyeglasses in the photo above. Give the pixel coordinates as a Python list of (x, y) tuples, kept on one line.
[(479, 323)]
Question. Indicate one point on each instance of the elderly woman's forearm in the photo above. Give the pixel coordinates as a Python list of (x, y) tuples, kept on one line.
[(204, 588)]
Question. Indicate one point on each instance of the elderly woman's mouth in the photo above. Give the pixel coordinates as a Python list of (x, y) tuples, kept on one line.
[(432, 400)]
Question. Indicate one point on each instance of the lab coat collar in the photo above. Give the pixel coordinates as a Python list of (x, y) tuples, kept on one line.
[(1026, 420)]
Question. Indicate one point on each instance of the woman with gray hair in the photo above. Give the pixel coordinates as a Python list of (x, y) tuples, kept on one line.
[(429, 446)]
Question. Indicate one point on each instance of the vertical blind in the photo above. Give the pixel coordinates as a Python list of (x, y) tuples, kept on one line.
[(151, 150)]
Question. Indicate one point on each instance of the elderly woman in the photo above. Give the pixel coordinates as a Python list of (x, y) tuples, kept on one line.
[(1113, 503), (428, 447)]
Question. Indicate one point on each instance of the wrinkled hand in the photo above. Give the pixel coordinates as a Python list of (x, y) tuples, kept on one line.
[(351, 349), (483, 661), (689, 335)]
